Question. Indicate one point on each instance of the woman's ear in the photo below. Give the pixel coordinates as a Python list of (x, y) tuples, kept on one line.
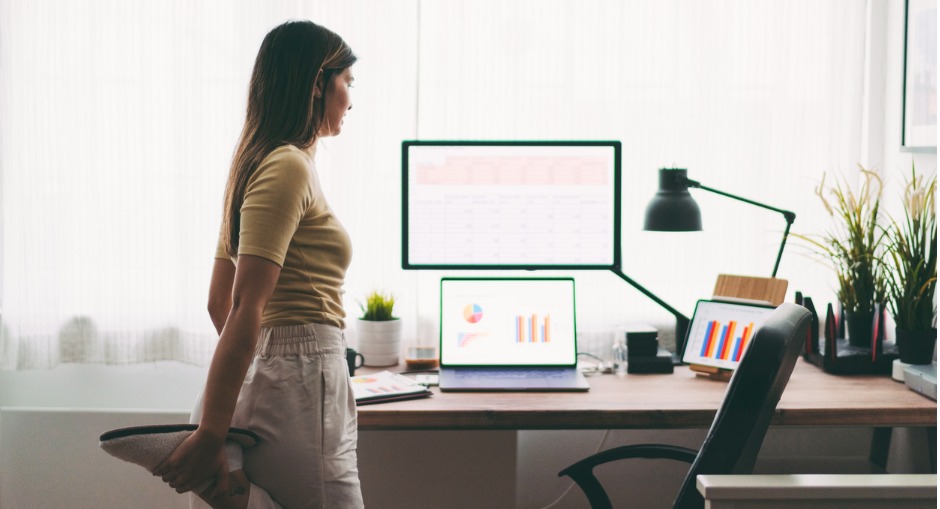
[(318, 85)]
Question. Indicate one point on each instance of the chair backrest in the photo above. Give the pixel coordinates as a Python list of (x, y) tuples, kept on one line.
[(736, 434)]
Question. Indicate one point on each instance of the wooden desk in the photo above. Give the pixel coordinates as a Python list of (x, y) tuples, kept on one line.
[(680, 400), (499, 435)]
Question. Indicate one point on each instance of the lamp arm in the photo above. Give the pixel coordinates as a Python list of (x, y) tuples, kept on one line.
[(783, 242), (789, 216), (682, 321)]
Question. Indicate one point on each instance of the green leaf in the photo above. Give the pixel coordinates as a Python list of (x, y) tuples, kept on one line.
[(912, 241), (854, 244), (378, 307)]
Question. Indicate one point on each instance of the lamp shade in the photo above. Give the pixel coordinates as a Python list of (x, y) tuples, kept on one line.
[(673, 209)]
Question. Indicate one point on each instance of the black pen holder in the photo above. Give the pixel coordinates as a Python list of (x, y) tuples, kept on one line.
[(832, 352)]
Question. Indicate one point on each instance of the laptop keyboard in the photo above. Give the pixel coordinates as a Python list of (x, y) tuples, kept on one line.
[(514, 374)]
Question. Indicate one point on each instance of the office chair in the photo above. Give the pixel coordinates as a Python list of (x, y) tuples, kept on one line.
[(736, 434)]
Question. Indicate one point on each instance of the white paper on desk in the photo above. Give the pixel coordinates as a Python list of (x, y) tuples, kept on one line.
[(384, 385)]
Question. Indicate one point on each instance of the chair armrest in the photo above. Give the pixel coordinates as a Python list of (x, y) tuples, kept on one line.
[(582, 472)]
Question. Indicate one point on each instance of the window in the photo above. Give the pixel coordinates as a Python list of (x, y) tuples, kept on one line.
[(119, 120)]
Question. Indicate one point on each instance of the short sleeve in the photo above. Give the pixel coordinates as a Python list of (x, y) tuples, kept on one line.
[(220, 251), (277, 197)]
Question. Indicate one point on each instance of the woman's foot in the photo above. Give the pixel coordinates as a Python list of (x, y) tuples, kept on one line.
[(235, 498)]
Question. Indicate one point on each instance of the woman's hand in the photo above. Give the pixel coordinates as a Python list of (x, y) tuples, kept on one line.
[(197, 459)]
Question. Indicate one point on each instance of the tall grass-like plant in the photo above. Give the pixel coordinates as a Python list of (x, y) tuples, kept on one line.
[(912, 241), (378, 307), (854, 244)]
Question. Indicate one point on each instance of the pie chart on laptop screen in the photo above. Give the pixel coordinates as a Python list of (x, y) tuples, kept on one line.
[(473, 313)]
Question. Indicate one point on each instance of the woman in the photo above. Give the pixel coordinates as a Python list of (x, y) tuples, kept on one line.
[(275, 298)]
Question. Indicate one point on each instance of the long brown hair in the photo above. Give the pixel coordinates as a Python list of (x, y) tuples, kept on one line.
[(282, 106)]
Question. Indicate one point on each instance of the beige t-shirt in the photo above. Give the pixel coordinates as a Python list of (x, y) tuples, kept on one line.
[(286, 219)]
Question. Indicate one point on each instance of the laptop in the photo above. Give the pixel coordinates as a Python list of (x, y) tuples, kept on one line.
[(508, 334)]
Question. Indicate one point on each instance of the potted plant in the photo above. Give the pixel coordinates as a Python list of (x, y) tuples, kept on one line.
[(379, 330), (854, 247), (912, 279)]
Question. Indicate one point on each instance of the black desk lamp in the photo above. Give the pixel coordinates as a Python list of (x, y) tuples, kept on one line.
[(674, 210)]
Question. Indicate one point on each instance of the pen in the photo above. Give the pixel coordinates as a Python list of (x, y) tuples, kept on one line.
[(830, 348), (814, 328)]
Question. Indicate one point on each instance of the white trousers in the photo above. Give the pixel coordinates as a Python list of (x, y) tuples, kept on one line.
[(298, 398)]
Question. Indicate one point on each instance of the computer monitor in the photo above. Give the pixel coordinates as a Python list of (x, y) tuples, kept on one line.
[(510, 205)]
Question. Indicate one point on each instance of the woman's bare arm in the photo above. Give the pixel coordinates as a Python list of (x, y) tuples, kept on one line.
[(220, 292), (201, 456)]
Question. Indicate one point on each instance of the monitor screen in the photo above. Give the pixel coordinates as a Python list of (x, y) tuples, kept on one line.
[(510, 204)]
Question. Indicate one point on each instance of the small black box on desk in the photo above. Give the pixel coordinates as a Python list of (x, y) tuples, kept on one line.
[(642, 342), (659, 363)]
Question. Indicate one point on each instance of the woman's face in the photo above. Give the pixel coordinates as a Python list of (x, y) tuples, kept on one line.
[(338, 102)]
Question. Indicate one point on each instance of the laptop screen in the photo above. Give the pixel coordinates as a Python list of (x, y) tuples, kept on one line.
[(721, 331), (508, 322)]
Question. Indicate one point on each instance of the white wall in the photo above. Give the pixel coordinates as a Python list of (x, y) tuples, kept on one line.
[(896, 159), (50, 458)]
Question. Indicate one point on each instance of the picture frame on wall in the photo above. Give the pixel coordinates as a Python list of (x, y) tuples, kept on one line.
[(919, 111)]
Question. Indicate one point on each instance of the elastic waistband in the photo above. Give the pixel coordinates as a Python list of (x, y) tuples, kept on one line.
[(307, 339)]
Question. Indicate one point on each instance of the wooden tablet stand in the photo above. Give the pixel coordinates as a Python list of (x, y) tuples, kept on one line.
[(763, 289)]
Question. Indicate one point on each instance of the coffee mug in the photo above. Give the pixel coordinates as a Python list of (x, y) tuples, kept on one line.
[(352, 356)]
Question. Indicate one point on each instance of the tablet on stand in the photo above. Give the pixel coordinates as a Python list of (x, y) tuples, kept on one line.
[(722, 327)]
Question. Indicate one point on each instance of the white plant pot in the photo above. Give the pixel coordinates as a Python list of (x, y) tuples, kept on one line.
[(379, 342)]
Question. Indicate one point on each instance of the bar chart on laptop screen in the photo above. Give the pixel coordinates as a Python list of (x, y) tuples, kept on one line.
[(494, 205)]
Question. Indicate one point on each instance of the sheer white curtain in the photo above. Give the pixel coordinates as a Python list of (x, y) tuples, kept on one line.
[(117, 124), (753, 98), (118, 119)]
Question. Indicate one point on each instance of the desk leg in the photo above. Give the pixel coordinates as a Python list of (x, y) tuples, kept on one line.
[(880, 445), (932, 447)]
